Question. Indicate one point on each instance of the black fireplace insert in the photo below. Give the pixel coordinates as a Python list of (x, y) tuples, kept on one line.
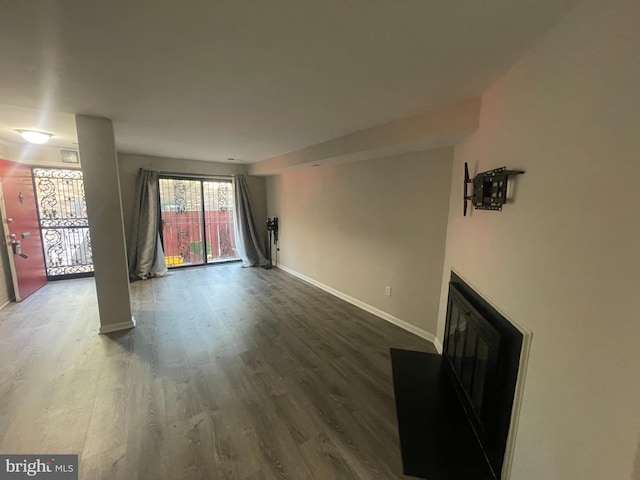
[(483, 349), (454, 410)]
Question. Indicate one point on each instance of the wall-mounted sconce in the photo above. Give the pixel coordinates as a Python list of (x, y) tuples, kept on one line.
[(488, 189)]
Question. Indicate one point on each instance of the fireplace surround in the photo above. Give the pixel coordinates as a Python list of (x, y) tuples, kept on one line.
[(455, 410), (483, 349)]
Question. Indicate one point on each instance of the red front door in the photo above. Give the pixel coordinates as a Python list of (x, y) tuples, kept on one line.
[(21, 228)]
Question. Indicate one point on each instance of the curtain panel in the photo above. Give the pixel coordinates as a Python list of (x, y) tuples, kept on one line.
[(146, 258), (250, 247)]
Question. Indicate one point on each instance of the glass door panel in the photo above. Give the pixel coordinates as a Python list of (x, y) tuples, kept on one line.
[(182, 221), (218, 214)]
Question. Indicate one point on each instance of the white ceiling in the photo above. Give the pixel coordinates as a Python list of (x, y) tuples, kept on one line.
[(252, 79)]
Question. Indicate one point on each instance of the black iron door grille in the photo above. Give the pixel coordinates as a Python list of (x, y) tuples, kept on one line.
[(62, 210)]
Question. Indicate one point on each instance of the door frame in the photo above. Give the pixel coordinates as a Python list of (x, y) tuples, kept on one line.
[(7, 243), (201, 179)]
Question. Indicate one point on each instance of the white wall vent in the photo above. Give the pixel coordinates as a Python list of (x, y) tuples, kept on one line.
[(69, 156)]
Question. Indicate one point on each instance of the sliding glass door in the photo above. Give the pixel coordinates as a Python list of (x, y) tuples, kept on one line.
[(197, 221)]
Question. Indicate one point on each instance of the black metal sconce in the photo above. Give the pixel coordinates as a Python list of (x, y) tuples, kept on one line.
[(489, 189)]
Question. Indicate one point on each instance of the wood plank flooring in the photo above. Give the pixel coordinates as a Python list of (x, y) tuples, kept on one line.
[(231, 373)]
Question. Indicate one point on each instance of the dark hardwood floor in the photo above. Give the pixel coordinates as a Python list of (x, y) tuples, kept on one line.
[(230, 373)]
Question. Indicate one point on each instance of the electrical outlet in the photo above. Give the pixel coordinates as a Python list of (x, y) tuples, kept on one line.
[(387, 291)]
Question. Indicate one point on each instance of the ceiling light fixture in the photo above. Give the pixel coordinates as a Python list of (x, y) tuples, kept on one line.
[(33, 136)]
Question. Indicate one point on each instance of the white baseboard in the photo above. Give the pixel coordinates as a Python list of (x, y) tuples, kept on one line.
[(116, 327), (438, 345), (5, 304), (368, 308)]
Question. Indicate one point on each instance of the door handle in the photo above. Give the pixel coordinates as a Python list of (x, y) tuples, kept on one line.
[(16, 246)]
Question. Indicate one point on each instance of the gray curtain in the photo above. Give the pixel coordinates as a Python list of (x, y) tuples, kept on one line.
[(146, 258), (248, 243)]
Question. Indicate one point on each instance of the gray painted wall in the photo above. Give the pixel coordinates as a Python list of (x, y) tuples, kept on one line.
[(362, 226)]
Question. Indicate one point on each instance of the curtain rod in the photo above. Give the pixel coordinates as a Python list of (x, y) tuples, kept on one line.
[(195, 175)]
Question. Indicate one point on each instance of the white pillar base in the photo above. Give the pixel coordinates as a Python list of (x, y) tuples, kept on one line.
[(116, 327)]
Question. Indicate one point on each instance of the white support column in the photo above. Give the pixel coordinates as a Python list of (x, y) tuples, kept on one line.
[(104, 207)]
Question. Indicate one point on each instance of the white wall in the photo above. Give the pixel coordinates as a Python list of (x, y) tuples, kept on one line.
[(39, 155), (564, 258), (360, 227)]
